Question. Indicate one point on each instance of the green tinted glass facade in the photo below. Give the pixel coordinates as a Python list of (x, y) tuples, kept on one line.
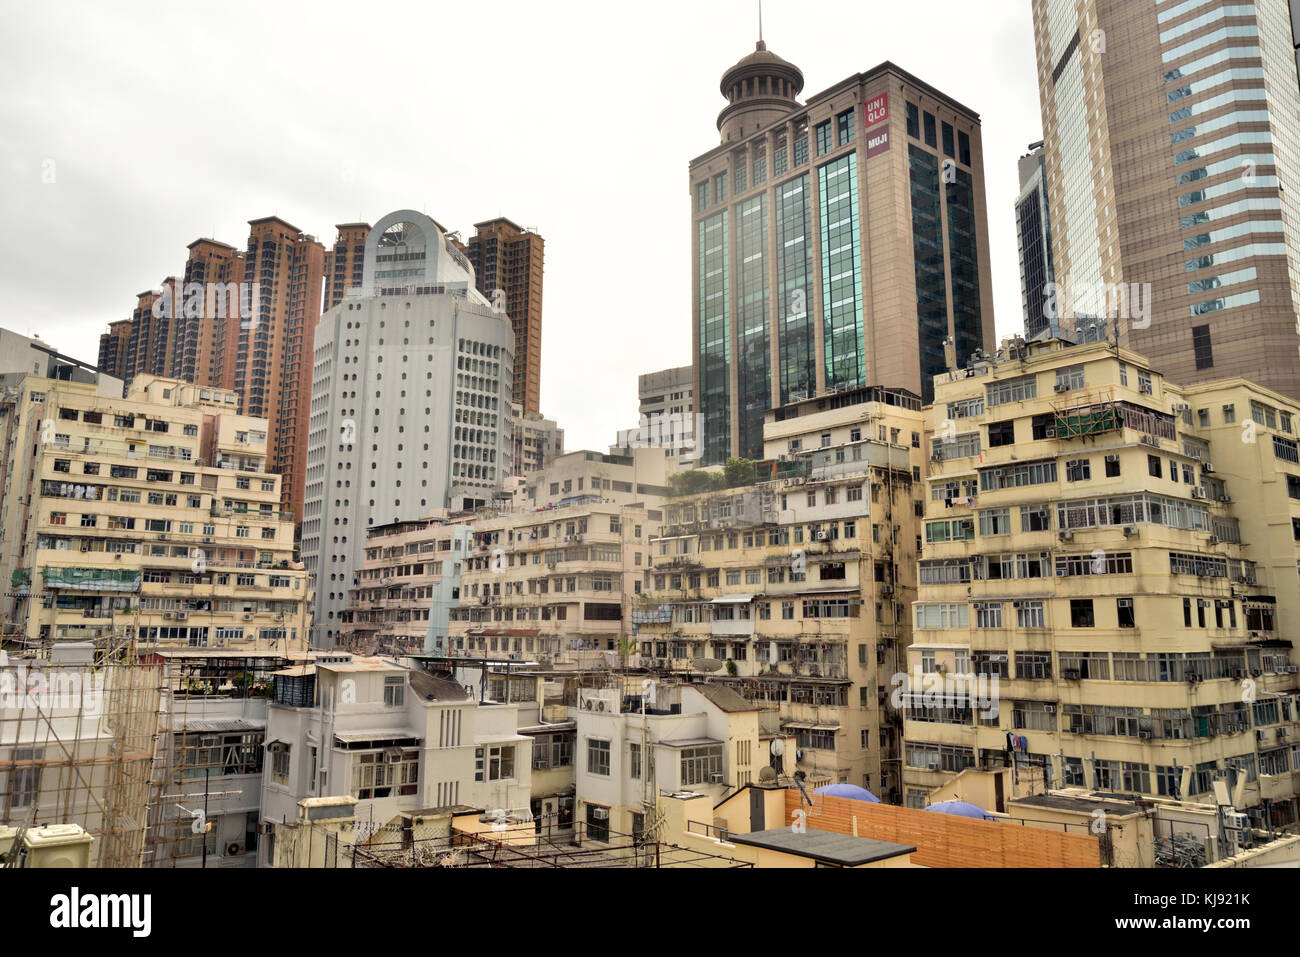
[(841, 272), (927, 242), (963, 264), (715, 348), (753, 359), (797, 348)]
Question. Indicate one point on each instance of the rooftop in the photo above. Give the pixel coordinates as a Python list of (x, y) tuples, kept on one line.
[(842, 849)]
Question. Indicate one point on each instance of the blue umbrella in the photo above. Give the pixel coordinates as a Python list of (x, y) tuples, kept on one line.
[(851, 791), (961, 809)]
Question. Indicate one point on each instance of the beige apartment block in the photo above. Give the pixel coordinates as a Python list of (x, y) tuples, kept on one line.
[(795, 589), (403, 591), (150, 518), (1170, 138), (1254, 436), (554, 585), (641, 475), (1115, 600)]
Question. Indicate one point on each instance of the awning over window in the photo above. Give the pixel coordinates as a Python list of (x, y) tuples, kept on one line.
[(385, 734), (691, 743), (732, 600), (808, 726)]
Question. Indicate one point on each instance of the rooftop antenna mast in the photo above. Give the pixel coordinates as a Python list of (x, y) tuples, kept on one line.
[(760, 22)]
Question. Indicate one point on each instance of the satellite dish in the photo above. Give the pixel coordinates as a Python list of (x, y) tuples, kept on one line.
[(766, 775), (706, 664), (777, 747)]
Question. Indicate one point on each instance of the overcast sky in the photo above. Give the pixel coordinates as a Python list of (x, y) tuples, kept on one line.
[(159, 123)]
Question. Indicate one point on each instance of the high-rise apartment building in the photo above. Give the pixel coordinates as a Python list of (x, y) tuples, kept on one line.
[(345, 263), (148, 517), (509, 258), (114, 346), (204, 343), (205, 328), (1170, 137), (410, 403), (1108, 571), (1034, 240), (834, 244), (273, 363)]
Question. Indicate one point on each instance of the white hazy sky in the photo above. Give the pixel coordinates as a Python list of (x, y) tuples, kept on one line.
[(163, 122)]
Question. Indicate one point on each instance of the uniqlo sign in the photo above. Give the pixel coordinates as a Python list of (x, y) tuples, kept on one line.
[(877, 110)]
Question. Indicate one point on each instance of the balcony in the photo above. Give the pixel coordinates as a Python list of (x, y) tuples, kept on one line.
[(92, 579)]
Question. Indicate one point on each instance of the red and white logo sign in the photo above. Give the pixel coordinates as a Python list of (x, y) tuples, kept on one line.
[(877, 110)]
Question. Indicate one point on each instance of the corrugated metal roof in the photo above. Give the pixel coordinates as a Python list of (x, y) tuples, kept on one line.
[(378, 734), (223, 724)]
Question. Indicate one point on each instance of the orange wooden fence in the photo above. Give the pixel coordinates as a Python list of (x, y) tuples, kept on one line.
[(944, 840)]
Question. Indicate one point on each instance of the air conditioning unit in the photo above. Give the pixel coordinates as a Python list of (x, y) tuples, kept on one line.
[(1049, 709), (1049, 433), (208, 540), (1212, 540), (234, 849), (1281, 734), (248, 617), (716, 777), (1066, 536), (1181, 407), (167, 616), (1207, 467), (1062, 387), (600, 813), (1199, 492), (1144, 734), (1074, 730), (1130, 531), (1071, 674), (182, 615), (1259, 734), (823, 536)]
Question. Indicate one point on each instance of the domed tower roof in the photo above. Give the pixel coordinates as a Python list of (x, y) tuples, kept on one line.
[(760, 89)]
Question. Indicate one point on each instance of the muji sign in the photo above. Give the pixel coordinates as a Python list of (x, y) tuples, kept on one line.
[(877, 110)]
